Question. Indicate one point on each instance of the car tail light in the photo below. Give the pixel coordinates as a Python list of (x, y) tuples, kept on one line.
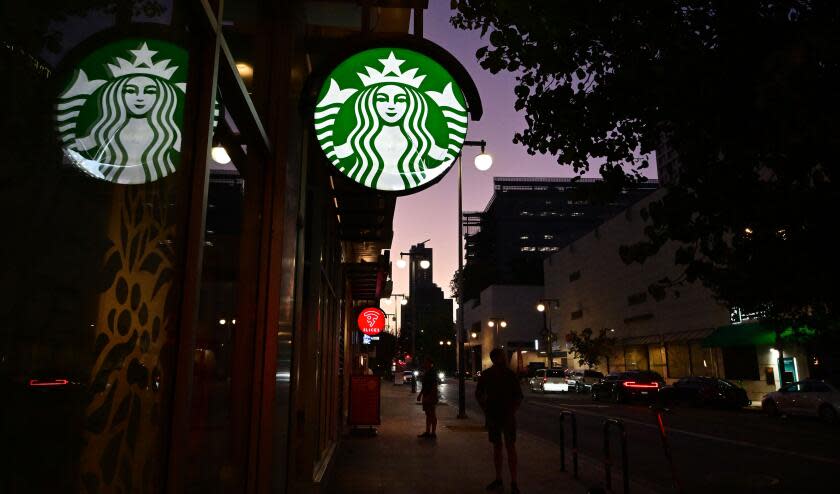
[(545, 379), (37, 383), (634, 384)]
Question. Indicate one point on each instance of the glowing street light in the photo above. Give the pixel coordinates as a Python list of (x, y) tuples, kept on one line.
[(220, 155), (541, 307), (425, 264), (483, 161), (401, 263)]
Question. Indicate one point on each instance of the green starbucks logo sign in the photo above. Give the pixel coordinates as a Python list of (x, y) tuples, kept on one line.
[(391, 119), (120, 114)]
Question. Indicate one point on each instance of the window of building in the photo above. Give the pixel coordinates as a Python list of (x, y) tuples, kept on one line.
[(574, 276), (548, 236), (523, 237), (528, 248), (637, 298), (577, 314)]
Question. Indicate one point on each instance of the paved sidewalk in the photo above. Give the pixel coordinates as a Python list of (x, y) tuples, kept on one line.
[(459, 461)]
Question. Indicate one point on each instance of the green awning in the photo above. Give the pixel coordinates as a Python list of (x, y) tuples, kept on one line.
[(754, 333)]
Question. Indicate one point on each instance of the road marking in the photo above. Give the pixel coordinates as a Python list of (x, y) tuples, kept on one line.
[(709, 437), (582, 405)]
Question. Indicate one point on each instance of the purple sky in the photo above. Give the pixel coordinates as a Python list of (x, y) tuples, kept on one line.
[(433, 213)]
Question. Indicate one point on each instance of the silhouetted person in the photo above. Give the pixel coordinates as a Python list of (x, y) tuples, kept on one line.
[(499, 395), (429, 397)]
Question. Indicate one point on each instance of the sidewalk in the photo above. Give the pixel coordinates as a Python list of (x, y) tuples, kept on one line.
[(459, 461)]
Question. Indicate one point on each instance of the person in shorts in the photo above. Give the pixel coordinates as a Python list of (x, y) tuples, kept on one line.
[(499, 395), (429, 397)]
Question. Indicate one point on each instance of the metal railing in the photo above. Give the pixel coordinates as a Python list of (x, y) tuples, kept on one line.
[(607, 458), (571, 415)]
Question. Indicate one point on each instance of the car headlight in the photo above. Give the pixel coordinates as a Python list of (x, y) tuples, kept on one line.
[(441, 375)]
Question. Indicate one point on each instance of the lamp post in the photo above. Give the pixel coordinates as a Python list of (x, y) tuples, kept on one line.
[(403, 300), (483, 162), (545, 305), (496, 323)]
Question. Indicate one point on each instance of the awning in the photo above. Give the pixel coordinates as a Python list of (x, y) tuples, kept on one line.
[(755, 333), (673, 337)]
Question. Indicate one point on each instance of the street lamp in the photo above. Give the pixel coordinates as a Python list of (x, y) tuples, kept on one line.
[(545, 305), (482, 162), (496, 322), (401, 263), (424, 264)]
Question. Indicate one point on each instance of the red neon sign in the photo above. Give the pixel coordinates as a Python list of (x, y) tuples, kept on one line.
[(371, 321)]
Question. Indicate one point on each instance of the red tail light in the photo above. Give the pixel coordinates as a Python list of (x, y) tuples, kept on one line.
[(35, 383), (634, 384), (545, 379)]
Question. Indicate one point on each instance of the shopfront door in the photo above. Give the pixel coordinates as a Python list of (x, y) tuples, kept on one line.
[(789, 373)]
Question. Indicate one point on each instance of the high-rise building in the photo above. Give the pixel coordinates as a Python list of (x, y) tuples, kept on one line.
[(527, 219), (418, 275), (428, 311)]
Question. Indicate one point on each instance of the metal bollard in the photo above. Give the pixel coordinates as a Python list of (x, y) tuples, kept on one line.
[(563, 415), (607, 462)]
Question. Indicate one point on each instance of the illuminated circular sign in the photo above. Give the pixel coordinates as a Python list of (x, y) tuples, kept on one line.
[(371, 321), (120, 113), (391, 119)]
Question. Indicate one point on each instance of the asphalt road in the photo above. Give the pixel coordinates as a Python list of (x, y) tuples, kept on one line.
[(713, 450)]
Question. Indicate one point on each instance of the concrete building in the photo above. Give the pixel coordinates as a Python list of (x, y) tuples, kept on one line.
[(516, 306), (527, 219), (679, 336)]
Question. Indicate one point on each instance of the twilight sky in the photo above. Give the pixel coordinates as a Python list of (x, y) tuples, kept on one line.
[(433, 213)]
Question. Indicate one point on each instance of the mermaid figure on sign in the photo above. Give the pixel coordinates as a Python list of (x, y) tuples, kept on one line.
[(390, 147), (134, 135)]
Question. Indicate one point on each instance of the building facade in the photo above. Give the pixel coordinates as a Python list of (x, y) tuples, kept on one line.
[(526, 220), (515, 306), (684, 334)]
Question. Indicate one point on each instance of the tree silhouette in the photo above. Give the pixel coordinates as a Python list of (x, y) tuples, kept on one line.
[(744, 93)]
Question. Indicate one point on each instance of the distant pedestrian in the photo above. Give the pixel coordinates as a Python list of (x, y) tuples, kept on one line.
[(499, 395), (429, 397)]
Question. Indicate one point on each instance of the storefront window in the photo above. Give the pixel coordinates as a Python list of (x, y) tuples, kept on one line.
[(222, 364), (88, 308)]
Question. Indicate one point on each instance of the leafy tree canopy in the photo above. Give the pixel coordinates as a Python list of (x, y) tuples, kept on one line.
[(746, 93), (588, 350)]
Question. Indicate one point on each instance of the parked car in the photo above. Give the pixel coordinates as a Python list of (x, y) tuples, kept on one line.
[(624, 386), (703, 391), (581, 381), (547, 380), (809, 397)]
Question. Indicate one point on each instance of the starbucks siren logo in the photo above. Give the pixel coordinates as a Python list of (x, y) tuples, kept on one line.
[(119, 118), (392, 129)]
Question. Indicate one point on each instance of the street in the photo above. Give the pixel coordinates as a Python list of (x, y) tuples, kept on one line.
[(713, 450)]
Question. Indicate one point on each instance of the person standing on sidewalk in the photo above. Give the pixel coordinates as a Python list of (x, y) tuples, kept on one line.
[(429, 396), (499, 395)]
